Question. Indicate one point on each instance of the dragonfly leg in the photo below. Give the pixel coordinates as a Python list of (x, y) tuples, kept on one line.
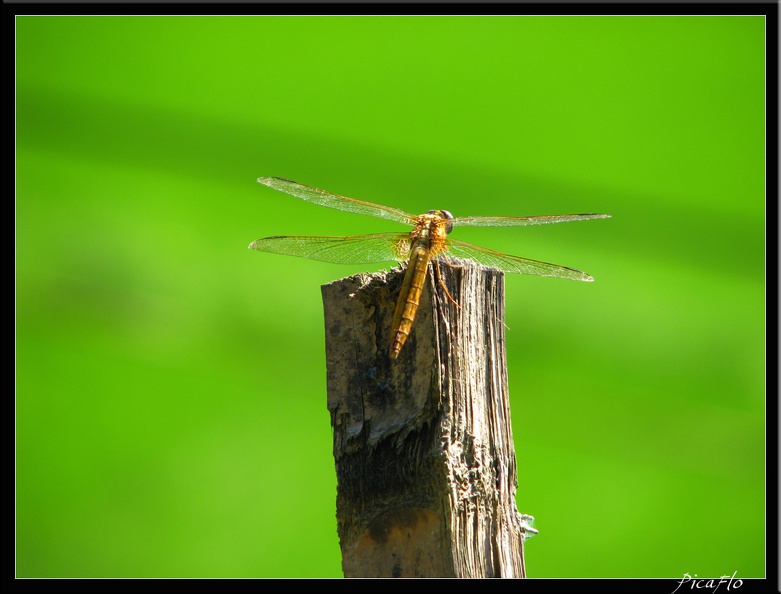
[(442, 284)]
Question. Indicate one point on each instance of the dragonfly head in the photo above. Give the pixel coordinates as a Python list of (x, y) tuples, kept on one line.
[(444, 215)]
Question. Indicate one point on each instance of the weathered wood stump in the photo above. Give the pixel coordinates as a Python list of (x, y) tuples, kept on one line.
[(423, 445)]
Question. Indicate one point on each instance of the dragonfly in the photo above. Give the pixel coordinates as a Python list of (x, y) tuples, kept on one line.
[(426, 242)]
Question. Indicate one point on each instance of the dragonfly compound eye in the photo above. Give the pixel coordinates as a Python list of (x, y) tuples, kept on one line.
[(446, 215), (443, 214)]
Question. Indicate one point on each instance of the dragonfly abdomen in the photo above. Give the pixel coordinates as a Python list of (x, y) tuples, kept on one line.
[(409, 297)]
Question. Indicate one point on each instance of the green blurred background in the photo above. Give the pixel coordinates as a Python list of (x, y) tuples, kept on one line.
[(170, 383)]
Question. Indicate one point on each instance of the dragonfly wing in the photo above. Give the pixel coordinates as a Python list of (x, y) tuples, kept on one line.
[(523, 221), (323, 198), (513, 264), (358, 249)]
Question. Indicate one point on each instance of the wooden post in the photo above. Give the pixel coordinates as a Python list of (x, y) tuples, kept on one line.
[(423, 445)]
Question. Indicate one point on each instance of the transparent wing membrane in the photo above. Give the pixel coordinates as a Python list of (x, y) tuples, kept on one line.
[(359, 249), (512, 264), (523, 221), (323, 198)]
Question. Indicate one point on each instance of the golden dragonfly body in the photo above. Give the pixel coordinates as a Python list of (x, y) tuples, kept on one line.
[(426, 242)]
